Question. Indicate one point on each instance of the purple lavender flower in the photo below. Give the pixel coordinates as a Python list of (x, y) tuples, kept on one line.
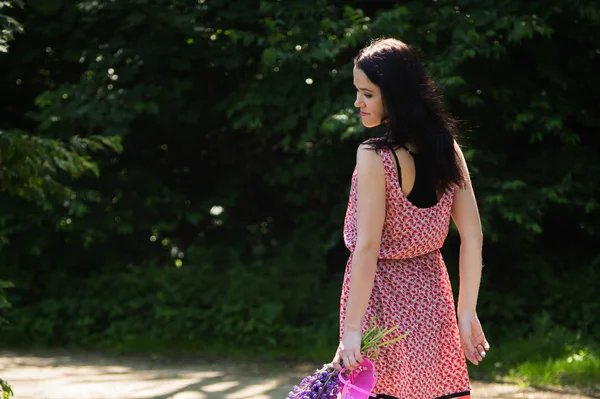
[(323, 384)]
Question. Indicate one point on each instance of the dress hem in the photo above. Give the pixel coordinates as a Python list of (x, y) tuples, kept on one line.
[(452, 395), (455, 395)]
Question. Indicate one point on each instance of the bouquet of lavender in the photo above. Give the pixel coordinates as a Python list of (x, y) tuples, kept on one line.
[(324, 384)]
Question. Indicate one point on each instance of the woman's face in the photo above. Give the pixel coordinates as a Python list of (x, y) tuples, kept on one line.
[(368, 99)]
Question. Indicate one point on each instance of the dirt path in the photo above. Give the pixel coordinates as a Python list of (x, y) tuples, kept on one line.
[(64, 375)]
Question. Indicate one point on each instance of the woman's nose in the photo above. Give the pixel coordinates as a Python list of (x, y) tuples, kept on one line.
[(357, 102)]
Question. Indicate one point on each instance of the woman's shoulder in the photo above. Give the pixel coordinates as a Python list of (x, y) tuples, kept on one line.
[(372, 148), (374, 141), (369, 156), (374, 145)]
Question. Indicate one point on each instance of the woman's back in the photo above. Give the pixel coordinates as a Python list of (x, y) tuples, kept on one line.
[(409, 230), (413, 176)]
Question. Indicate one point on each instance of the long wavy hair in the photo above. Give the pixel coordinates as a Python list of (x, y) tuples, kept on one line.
[(414, 112)]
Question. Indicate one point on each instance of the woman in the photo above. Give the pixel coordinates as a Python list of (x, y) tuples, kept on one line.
[(406, 186)]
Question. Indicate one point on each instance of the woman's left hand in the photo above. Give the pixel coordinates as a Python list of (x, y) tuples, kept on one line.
[(349, 349), (472, 338)]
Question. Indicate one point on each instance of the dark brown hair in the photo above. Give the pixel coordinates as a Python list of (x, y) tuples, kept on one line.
[(414, 111)]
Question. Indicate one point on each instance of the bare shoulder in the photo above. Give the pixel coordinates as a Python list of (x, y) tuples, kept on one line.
[(370, 172), (461, 157), (367, 157), (462, 163), (457, 149)]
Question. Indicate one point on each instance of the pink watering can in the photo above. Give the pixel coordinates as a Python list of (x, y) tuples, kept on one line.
[(361, 381)]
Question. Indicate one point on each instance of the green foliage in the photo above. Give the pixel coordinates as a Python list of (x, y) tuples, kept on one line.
[(32, 165), (235, 304), (8, 24), (4, 304), (6, 390), (580, 368), (177, 173), (549, 355)]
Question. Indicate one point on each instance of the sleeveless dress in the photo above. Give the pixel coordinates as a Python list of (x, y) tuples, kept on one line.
[(411, 290)]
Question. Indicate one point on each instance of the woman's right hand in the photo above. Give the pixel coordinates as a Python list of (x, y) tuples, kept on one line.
[(337, 359), (472, 338)]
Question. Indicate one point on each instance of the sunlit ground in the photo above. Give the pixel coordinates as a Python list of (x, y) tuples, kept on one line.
[(95, 377), (61, 375)]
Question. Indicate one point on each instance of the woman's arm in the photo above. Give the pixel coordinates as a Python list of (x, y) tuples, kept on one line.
[(466, 217), (369, 226), (370, 220)]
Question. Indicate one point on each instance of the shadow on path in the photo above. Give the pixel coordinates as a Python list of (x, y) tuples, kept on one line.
[(83, 375)]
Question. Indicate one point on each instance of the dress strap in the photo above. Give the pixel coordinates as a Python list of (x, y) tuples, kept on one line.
[(407, 150), (397, 164)]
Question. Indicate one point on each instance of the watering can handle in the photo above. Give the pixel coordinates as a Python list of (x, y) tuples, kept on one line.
[(345, 381)]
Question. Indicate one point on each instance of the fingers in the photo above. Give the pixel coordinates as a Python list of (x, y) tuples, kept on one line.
[(336, 365), (486, 345), (482, 349), (479, 336), (470, 352), (351, 359), (473, 341), (336, 361), (359, 357), (481, 344), (480, 352), (475, 352)]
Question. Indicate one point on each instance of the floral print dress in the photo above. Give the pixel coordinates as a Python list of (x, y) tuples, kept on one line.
[(411, 290)]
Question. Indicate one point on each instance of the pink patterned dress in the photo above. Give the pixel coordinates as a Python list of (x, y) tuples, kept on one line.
[(411, 290)]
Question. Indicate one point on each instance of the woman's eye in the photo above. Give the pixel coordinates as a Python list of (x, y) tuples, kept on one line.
[(366, 95)]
